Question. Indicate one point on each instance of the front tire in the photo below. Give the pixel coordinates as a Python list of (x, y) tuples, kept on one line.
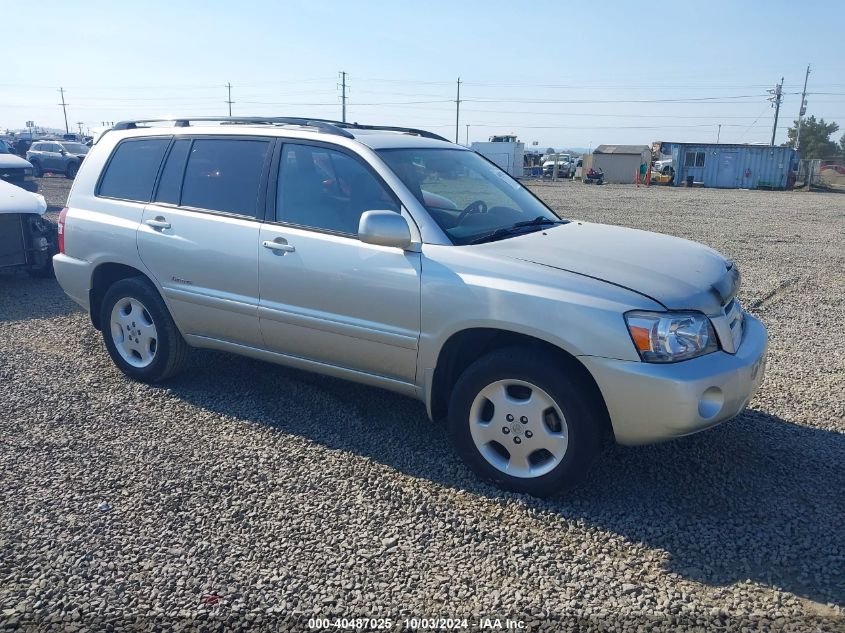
[(37, 172), (139, 333), (70, 172), (521, 420)]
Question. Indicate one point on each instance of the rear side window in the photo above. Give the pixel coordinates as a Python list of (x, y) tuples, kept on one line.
[(170, 183), (132, 170), (224, 175)]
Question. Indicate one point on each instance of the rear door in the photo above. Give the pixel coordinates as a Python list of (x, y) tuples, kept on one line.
[(199, 236), (325, 295)]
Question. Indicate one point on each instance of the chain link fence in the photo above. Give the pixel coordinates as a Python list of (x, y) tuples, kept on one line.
[(819, 174)]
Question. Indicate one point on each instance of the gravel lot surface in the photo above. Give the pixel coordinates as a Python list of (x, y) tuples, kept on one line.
[(249, 496)]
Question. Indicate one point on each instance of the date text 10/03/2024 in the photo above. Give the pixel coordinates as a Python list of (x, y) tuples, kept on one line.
[(416, 624)]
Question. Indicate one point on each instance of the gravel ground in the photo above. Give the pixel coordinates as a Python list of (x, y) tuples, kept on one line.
[(248, 496)]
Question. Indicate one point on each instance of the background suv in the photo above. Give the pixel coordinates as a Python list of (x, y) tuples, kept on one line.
[(58, 157), (395, 258)]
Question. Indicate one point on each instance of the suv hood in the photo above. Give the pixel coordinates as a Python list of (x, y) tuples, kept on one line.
[(677, 273)]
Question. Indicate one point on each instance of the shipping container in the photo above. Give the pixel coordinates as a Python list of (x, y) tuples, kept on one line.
[(732, 166)]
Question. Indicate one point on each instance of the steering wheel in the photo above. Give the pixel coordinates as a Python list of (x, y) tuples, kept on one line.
[(478, 206)]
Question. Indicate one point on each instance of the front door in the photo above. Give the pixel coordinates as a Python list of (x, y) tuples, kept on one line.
[(726, 176), (199, 236), (324, 295)]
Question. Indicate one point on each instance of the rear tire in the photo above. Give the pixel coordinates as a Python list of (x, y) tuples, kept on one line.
[(516, 411), (139, 333)]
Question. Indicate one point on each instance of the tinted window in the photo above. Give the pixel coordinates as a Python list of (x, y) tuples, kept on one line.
[(325, 189), (224, 175), (75, 148), (170, 182), (131, 172)]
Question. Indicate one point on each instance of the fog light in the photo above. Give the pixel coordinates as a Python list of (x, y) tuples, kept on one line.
[(711, 402)]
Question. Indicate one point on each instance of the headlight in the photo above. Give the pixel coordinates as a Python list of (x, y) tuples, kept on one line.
[(666, 337), (27, 171)]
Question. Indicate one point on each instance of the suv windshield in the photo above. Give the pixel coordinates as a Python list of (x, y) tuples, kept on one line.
[(470, 198), (75, 148)]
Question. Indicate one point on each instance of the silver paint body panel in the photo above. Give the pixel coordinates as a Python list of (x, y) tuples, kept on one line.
[(381, 315)]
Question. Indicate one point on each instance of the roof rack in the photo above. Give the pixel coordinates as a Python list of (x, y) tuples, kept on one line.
[(322, 126), (339, 128), (387, 128)]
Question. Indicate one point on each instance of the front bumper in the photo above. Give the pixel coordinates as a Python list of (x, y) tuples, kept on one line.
[(650, 402)]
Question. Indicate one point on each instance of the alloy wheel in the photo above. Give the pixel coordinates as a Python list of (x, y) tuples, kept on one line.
[(134, 332), (518, 428)]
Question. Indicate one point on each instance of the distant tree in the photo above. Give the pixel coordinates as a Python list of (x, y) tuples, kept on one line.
[(550, 150), (842, 146), (815, 138)]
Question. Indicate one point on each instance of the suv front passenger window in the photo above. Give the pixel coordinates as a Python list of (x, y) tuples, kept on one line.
[(326, 189)]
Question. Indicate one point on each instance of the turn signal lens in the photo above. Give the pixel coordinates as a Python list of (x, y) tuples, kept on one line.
[(641, 336)]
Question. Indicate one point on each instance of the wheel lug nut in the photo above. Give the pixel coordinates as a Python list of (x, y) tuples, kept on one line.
[(523, 419), (528, 434), (506, 430), (509, 417), (516, 440)]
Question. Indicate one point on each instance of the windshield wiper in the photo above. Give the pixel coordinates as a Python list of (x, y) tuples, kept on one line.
[(505, 231)]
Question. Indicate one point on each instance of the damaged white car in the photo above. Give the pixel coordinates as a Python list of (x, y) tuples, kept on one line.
[(28, 240)]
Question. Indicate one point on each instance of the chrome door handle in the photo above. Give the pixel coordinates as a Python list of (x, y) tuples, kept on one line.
[(278, 246), (157, 223)]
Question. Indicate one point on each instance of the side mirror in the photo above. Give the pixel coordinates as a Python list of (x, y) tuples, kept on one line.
[(384, 228), (62, 152)]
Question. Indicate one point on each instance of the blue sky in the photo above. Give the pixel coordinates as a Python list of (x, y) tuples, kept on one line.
[(573, 74)]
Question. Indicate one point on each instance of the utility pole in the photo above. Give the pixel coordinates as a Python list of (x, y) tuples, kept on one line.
[(64, 109), (467, 134), (719, 134), (458, 110), (776, 99), (79, 123), (229, 100), (802, 110), (343, 94)]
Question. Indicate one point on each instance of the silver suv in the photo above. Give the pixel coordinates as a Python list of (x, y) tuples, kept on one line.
[(394, 258)]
